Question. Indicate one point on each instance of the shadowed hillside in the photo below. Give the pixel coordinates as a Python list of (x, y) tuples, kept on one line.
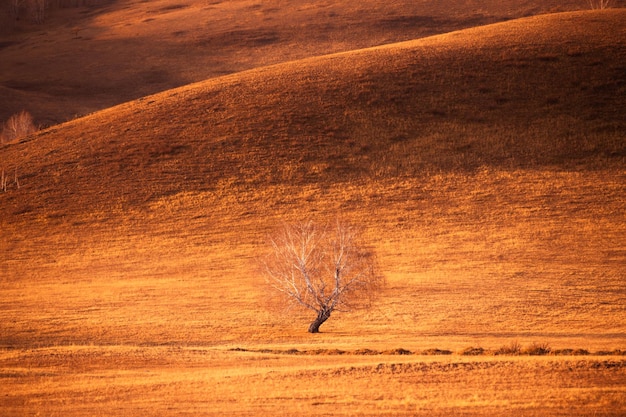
[(487, 166), (84, 59), (542, 92)]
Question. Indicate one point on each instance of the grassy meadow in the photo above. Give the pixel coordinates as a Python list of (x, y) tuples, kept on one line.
[(486, 167), (199, 381)]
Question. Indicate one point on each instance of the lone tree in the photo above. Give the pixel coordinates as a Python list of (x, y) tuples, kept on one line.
[(19, 125), (323, 269), (600, 4)]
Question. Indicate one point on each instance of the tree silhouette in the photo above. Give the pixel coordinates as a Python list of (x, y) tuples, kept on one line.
[(323, 269)]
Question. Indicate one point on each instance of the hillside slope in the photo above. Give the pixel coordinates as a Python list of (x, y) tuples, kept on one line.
[(486, 165), (539, 92), (88, 58)]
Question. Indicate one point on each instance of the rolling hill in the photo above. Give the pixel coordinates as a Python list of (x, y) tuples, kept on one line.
[(84, 59), (486, 166)]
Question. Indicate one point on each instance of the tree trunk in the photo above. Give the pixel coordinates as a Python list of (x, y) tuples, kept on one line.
[(322, 316)]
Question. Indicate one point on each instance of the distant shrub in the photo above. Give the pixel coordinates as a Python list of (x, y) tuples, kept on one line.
[(512, 349), (18, 126), (398, 351), (616, 352), (570, 352), (366, 352), (473, 351), (437, 352), (537, 349)]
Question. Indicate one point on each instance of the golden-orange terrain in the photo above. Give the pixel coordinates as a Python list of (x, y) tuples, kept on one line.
[(486, 166)]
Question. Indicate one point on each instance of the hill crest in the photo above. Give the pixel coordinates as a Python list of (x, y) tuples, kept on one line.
[(458, 101)]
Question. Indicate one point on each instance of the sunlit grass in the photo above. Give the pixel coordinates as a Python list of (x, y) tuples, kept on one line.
[(493, 197), (175, 381)]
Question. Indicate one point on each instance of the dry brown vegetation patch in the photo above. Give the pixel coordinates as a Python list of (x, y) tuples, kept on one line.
[(534, 349)]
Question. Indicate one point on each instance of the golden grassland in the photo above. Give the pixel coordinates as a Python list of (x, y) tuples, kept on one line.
[(486, 168), (202, 381)]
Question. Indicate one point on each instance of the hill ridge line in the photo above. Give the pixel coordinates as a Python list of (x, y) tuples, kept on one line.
[(304, 63)]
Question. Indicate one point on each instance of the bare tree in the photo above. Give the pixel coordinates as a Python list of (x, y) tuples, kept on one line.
[(323, 269), (19, 125), (37, 10), (4, 180), (14, 8), (599, 4)]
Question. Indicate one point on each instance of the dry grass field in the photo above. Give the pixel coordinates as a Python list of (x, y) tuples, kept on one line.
[(486, 166), (177, 381)]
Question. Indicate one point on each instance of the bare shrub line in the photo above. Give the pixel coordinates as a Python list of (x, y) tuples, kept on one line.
[(535, 349)]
